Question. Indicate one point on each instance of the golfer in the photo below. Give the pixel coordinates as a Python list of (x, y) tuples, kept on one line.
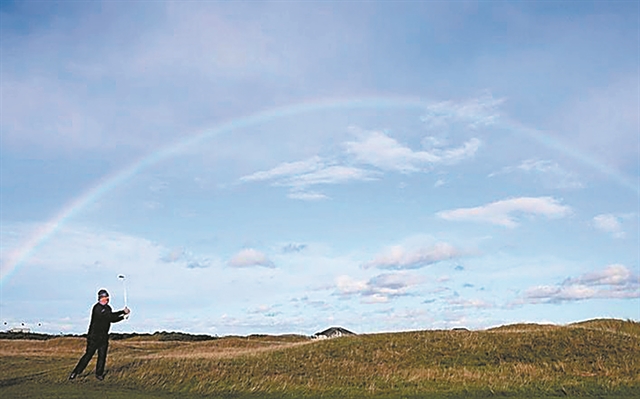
[(98, 336)]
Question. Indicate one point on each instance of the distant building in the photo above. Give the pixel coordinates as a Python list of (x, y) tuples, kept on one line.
[(22, 330), (333, 332)]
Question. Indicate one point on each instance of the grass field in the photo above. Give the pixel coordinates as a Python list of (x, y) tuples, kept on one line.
[(597, 358)]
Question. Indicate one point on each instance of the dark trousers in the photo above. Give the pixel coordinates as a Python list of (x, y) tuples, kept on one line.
[(93, 346)]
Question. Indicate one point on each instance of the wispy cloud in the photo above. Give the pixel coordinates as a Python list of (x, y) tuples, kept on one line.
[(265, 310), (335, 174), (609, 223), (301, 175), (378, 289), (412, 257), (614, 281), (152, 205), (158, 185), (307, 195), (604, 121), (287, 169), (550, 173), (473, 113), (250, 257), (293, 247), (374, 152), (460, 303), (501, 213), (186, 258)]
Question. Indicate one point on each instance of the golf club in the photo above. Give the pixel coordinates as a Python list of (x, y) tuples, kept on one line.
[(124, 287)]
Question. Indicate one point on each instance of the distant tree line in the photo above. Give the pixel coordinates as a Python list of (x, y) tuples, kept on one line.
[(159, 336), (23, 335), (165, 336)]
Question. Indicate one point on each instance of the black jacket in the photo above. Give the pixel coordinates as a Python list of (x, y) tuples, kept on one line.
[(101, 318)]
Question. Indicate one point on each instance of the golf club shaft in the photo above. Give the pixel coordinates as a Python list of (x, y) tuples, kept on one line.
[(124, 289)]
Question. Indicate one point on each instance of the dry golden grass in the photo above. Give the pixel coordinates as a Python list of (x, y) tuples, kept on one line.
[(55, 347), (598, 358)]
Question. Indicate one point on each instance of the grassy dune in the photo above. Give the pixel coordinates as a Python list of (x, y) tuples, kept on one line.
[(595, 358)]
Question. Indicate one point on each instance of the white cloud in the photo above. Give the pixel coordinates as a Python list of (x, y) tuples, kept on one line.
[(378, 289), (384, 152), (393, 282), (378, 149), (615, 274), (501, 212), (348, 286), (614, 281), (457, 154), (560, 293), (609, 223), (250, 257), (411, 257)]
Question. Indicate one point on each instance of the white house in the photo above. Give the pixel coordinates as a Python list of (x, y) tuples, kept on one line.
[(333, 332), (23, 330)]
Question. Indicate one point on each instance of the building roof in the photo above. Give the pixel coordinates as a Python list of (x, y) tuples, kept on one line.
[(334, 331)]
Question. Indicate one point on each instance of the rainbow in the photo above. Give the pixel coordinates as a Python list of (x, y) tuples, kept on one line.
[(18, 256)]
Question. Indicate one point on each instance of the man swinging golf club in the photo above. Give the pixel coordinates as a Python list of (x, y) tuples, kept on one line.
[(98, 336)]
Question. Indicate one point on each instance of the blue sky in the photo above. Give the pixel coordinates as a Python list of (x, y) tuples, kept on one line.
[(283, 167)]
